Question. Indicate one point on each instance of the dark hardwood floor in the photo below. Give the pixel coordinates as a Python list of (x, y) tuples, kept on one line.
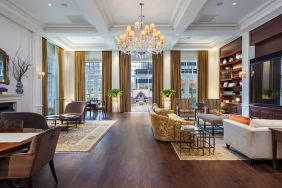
[(129, 156)]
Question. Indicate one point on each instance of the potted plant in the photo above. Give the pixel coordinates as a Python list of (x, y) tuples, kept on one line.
[(166, 94), (20, 67), (115, 94)]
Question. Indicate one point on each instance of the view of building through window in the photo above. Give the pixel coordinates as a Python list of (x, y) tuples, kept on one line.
[(141, 84), (53, 79), (93, 80), (189, 73)]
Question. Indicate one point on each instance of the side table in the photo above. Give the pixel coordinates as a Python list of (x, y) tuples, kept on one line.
[(276, 137)]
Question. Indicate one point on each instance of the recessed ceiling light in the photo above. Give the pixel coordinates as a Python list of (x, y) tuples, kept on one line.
[(64, 4), (49, 4), (234, 3), (219, 3)]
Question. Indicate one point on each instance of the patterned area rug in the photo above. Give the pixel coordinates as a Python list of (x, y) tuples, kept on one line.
[(84, 137), (220, 153)]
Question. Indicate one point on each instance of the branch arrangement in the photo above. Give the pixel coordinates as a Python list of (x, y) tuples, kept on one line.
[(20, 66)]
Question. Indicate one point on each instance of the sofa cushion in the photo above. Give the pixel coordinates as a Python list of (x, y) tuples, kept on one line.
[(240, 119), (266, 123)]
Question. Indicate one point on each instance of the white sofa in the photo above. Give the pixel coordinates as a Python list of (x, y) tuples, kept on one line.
[(255, 140)]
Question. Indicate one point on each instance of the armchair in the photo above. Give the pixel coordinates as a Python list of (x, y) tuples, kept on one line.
[(184, 108), (78, 108), (24, 165)]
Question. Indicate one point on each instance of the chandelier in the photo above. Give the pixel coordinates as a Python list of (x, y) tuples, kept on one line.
[(141, 41)]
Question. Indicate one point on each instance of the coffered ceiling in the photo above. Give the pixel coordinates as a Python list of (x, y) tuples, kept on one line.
[(95, 24)]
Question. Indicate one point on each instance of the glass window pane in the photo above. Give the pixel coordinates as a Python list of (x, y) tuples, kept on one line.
[(93, 80)]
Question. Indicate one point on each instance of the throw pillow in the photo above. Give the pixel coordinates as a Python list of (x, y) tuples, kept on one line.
[(240, 119), (266, 123)]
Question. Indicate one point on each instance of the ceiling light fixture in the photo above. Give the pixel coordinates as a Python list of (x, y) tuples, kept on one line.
[(49, 4), (234, 3), (142, 41)]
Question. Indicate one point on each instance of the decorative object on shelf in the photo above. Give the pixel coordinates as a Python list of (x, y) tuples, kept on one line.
[(231, 84), (231, 59), (115, 94), (225, 84), (238, 56), (4, 68), (240, 83), (237, 99), (224, 61), (166, 94), (3, 90), (142, 41), (243, 74), (20, 67)]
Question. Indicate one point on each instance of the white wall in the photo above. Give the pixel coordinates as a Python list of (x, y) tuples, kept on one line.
[(167, 78), (69, 62), (115, 70), (213, 74), (14, 37)]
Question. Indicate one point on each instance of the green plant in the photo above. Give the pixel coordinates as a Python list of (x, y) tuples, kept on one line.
[(167, 92), (114, 93)]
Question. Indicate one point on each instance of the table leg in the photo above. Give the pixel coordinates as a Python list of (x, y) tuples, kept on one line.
[(67, 126), (274, 151), (55, 123), (213, 129), (204, 125)]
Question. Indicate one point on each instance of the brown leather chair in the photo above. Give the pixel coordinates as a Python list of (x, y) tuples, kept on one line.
[(184, 108), (212, 105), (30, 120), (78, 108), (25, 165), (11, 126)]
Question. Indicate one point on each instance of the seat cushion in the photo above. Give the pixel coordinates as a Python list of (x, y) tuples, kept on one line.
[(240, 119), (266, 123)]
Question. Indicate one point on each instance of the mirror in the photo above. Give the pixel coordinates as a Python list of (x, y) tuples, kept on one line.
[(4, 68)]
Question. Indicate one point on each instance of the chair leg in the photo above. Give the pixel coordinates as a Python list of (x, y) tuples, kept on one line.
[(51, 164), (30, 182)]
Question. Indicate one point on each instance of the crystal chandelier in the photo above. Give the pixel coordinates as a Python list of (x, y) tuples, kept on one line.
[(141, 41)]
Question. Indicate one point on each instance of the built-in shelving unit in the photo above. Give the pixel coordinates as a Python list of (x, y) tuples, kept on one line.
[(230, 68)]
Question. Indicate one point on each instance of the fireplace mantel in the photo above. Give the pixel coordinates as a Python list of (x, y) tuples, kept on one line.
[(16, 99)]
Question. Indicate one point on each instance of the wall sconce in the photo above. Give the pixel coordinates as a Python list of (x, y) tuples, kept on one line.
[(40, 74), (243, 74)]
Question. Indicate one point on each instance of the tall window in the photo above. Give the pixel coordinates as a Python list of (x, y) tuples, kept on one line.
[(93, 79), (189, 73), (141, 84), (53, 79)]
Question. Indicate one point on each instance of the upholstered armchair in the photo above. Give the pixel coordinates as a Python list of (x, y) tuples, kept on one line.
[(212, 105), (30, 120), (165, 128), (25, 165), (78, 108), (161, 111), (184, 108)]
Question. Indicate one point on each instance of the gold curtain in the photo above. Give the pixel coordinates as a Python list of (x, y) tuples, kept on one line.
[(107, 78), (45, 78), (79, 76), (202, 75), (175, 76), (124, 82), (61, 79), (158, 72)]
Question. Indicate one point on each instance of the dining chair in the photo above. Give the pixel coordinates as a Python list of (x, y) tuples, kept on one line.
[(25, 165), (30, 120), (11, 126)]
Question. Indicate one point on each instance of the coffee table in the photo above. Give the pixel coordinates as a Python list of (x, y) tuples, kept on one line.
[(213, 119), (64, 117)]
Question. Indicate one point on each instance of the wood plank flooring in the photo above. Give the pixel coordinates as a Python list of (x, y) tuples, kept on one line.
[(129, 156)]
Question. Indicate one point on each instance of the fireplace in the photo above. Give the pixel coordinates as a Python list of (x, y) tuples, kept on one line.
[(6, 107)]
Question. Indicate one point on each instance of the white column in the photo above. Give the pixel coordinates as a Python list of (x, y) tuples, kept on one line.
[(167, 81), (69, 62), (213, 73), (248, 52), (115, 70)]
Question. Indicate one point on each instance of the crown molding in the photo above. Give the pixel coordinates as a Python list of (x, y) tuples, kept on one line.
[(70, 28), (192, 46), (181, 8), (105, 11)]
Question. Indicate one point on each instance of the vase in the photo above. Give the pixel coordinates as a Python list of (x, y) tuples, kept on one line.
[(116, 104), (19, 87), (167, 102)]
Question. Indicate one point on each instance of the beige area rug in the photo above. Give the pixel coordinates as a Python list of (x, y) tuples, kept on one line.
[(84, 137), (220, 153)]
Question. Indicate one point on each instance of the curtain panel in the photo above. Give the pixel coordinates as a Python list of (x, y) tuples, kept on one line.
[(61, 79), (124, 81), (158, 77), (45, 78), (107, 78), (79, 76), (175, 76), (202, 75)]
